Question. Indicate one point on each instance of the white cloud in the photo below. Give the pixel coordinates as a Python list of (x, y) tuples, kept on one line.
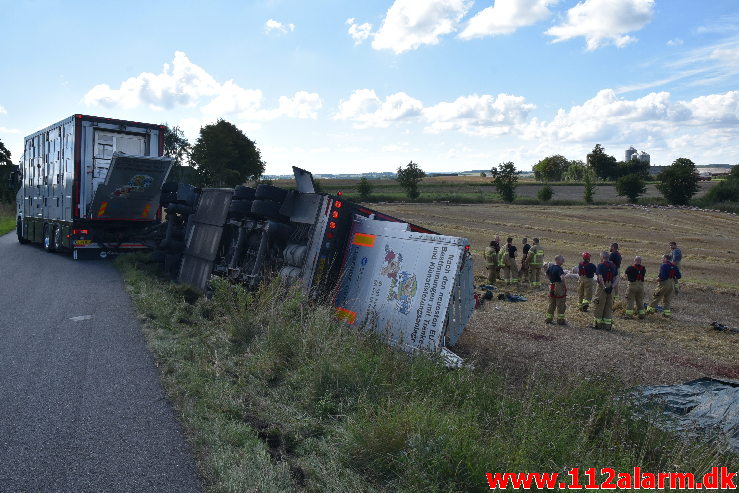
[(275, 26), (367, 110), (181, 84), (479, 115), (189, 85), (505, 16), (675, 42), (602, 22), (358, 32), (653, 118), (409, 24), (3, 111), (6, 130)]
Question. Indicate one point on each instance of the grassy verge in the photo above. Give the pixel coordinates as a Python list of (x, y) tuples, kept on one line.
[(7, 218), (277, 396)]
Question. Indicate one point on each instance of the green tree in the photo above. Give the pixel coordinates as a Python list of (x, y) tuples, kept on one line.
[(7, 187), (409, 178), (589, 186), (364, 187), (178, 148), (679, 182), (505, 178), (604, 166), (224, 156), (545, 193), (633, 167), (631, 186), (483, 174), (551, 168), (575, 171)]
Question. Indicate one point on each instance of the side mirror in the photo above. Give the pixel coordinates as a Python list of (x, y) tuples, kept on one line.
[(14, 177)]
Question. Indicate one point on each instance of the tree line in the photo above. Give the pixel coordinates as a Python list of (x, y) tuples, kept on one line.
[(223, 156)]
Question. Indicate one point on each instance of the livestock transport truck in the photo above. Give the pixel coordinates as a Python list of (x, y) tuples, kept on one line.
[(91, 185), (411, 285)]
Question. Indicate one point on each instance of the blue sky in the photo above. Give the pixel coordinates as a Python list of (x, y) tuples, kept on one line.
[(336, 86)]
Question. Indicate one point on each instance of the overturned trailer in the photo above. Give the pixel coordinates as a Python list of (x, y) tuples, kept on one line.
[(409, 284)]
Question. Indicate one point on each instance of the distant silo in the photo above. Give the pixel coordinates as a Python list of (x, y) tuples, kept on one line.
[(630, 152), (644, 157)]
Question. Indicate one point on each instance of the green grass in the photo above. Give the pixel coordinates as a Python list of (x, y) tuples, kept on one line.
[(276, 395), (7, 218)]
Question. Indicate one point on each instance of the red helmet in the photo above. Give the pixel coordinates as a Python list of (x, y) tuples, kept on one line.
[(585, 256)]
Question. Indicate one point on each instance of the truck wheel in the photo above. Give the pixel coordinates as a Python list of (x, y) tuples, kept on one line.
[(278, 232), (49, 238), (19, 231), (268, 209), (244, 193), (57, 239), (268, 192), (240, 207)]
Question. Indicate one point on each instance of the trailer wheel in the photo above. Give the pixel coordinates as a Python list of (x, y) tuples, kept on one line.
[(240, 207), (268, 209), (19, 231), (244, 193), (57, 239), (268, 192), (278, 232), (49, 238)]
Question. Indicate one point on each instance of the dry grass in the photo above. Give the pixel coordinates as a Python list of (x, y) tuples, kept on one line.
[(514, 337)]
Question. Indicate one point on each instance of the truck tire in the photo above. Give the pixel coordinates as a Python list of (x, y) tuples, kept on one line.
[(268, 209), (268, 192), (244, 193), (240, 207), (49, 238), (19, 231), (279, 232), (57, 239)]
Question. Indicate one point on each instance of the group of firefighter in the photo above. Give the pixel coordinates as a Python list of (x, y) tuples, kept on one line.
[(603, 277)]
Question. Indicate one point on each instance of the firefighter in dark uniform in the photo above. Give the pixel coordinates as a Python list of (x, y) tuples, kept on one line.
[(557, 291), (607, 276), (586, 273), (615, 258), (668, 274), (525, 261), (635, 290), (510, 271)]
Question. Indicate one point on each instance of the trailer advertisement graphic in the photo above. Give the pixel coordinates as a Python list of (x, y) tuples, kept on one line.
[(403, 285)]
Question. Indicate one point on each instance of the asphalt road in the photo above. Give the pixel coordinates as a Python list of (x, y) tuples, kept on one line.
[(81, 405)]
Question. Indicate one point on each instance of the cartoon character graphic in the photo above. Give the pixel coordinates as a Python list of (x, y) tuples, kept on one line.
[(403, 284), (137, 183)]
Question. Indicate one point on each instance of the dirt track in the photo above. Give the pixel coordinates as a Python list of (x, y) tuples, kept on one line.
[(513, 336)]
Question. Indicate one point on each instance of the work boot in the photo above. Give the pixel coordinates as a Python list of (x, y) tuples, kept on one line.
[(650, 309), (549, 321), (585, 307), (561, 321)]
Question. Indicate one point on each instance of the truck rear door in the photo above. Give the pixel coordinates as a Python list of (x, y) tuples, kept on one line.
[(105, 143)]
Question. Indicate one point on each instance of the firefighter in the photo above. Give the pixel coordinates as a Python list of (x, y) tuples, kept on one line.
[(510, 270), (668, 274), (491, 261), (615, 258), (586, 277), (635, 289), (607, 276), (677, 257), (525, 260), (536, 256), (557, 291)]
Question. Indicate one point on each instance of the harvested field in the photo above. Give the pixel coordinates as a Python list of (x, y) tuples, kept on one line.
[(514, 337)]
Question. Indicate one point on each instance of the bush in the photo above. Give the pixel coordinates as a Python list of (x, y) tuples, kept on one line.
[(545, 193), (364, 188), (679, 182), (726, 191), (631, 186)]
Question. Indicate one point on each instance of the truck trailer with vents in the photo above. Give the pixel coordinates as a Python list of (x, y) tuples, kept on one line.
[(90, 185)]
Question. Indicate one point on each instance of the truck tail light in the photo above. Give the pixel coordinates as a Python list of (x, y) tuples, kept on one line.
[(338, 203), (79, 232), (332, 225), (335, 214)]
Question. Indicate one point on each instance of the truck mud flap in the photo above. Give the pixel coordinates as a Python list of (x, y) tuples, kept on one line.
[(132, 188), (204, 240)]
